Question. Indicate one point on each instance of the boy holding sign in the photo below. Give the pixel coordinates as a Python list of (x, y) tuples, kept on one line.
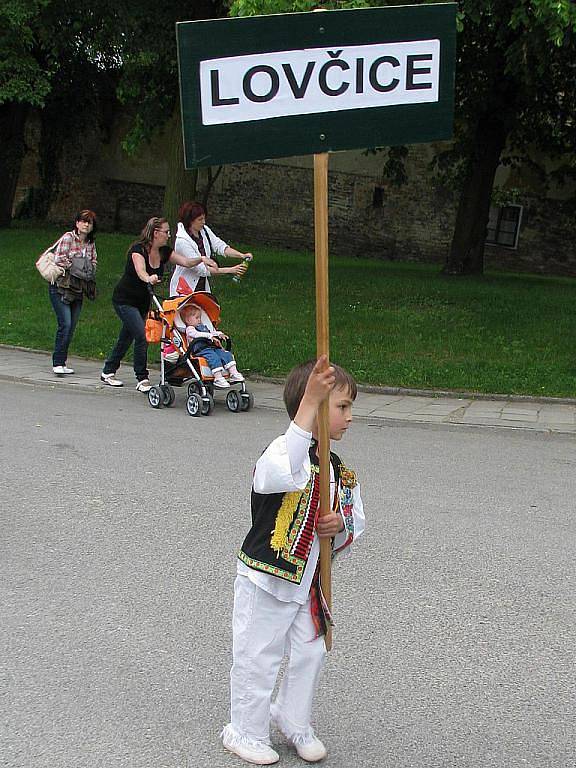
[(278, 605)]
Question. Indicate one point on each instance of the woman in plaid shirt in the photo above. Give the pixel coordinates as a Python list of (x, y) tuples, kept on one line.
[(76, 253)]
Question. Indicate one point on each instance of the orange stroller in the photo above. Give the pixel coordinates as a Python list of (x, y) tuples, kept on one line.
[(191, 370)]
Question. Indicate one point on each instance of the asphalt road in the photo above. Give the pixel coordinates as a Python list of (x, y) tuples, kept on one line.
[(456, 621)]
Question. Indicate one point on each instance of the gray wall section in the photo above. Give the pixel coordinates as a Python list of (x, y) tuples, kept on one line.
[(271, 203)]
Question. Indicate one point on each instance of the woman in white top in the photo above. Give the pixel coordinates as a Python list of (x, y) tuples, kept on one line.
[(195, 240)]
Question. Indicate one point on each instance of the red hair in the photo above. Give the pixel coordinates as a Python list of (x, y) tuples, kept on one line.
[(189, 211)]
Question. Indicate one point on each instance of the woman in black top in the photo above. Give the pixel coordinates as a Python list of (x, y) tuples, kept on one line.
[(145, 263)]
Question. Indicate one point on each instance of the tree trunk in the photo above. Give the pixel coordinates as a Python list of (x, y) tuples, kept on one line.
[(12, 149), (181, 184), (466, 256), (211, 179)]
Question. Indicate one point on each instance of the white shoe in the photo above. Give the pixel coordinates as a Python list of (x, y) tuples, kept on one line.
[(235, 378), (221, 384), (61, 370), (251, 750), (309, 747), (144, 385), (307, 744), (111, 380)]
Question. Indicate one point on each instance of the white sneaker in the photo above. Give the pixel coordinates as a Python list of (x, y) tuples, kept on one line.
[(251, 750), (221, 384), (235, 378), (309, 747), (307, 744), (111, 380), (144, 385), (61, 370)]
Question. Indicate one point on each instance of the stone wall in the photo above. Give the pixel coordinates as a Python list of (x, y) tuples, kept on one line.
[(271, 203), (126, 206), (546, 244)]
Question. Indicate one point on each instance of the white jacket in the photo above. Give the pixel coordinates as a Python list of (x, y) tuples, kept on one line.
[(187, 247)]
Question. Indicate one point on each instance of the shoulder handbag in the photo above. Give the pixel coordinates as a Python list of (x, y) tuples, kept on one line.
[(213, 256), (201, 284), (153, 327), (47, 266)]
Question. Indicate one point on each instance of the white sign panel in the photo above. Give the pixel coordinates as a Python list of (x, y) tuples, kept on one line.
[(303, 82)]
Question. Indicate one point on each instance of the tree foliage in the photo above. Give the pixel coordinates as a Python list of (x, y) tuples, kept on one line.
[(39, 37), (515, 86), (149, 86), (23, 78), (53, 54), (49, 48), (515, 96)]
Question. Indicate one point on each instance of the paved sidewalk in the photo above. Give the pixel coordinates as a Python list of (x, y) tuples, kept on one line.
[(32, 367)]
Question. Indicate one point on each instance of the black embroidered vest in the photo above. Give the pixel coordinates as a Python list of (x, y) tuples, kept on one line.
[(283, 525)]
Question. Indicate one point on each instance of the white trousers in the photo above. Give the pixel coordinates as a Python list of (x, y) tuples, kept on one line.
[(264, 630)]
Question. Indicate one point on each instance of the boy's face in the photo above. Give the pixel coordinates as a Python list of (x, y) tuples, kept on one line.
[(339, 413), (191, 315)]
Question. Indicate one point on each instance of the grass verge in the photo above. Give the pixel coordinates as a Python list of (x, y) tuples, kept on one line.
[(395, 324)]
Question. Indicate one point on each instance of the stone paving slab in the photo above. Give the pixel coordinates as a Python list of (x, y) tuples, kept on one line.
[(35, 368)]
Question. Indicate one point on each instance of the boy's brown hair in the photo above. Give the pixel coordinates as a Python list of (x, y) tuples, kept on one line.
[(298, 378)]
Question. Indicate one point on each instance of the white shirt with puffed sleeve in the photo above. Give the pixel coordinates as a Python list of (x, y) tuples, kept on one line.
[(285, 467)]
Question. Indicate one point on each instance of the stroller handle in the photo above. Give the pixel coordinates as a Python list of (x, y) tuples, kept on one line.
[(154, 297)]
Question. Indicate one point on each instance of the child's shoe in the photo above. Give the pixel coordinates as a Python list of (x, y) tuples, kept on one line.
[(221, 383), (307, 744), (251, 750), (234, 375), (309, 747)]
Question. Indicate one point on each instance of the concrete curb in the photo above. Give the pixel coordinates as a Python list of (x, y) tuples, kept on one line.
[(369, 389), (375, 405), (448, 393)]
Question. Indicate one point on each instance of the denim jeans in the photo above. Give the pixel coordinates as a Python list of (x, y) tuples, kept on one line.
[(133, 330), (67, 316), (216, 358)]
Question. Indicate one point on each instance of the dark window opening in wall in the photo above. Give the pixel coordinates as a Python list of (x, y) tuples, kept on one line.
[(504, 225), (378, 197)]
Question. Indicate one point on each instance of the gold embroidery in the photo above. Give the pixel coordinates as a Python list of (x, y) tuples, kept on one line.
[(284, 517), (348, 477)]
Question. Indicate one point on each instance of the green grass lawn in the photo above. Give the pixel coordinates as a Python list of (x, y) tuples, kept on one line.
[(390, 323)]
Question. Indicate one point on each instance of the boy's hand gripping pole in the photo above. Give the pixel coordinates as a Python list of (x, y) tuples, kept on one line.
[(323, 348)]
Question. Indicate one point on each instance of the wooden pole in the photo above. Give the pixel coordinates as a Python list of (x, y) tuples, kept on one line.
[(323, 348)]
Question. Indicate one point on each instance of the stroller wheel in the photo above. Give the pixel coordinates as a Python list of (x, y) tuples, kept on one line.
[(246, 401), (207, 405), (194, 404), (155, 397), (233, 401), (193, 387), (168, 395)]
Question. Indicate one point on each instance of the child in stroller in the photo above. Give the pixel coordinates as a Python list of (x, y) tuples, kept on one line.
[(207, 343), (182, 364)]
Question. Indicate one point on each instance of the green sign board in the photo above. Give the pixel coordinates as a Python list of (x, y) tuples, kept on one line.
[(305, 83)]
